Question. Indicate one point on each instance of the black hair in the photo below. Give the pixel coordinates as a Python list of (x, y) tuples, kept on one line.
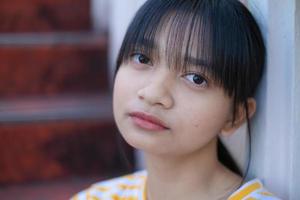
[(222, 35)]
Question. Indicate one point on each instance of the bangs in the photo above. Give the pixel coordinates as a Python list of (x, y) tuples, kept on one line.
[(177, 33), (212, 36)]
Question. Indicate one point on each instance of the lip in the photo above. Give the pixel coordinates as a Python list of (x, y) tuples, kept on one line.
[(148, 121)]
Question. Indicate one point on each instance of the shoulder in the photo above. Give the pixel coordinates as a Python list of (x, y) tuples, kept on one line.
[(253, 190), (128, 186)]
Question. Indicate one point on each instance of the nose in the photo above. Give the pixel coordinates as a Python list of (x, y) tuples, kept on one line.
[(158, 90)]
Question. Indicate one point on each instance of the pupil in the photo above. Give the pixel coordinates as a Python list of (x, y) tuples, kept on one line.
[(197, 79), (143, 59)]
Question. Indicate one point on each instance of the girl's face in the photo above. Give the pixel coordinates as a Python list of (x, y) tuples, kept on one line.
[(190, 108)]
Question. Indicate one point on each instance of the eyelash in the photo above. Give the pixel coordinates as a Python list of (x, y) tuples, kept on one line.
[(203, 84), (136, 56)]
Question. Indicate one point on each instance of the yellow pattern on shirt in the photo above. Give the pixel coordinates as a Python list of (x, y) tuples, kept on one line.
[(132, 187), (117, 197)]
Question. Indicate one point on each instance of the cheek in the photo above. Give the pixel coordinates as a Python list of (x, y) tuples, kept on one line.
[(122, 86), (210, 116), (202, 120), (124, 93), (119, 94), (126, 83)]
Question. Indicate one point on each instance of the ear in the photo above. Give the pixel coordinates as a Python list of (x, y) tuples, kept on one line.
[(240, 117)]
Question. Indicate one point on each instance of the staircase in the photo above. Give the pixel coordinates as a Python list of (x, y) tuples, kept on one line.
[(56, 124)]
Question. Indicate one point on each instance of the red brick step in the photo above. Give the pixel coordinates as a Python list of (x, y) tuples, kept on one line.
[(46, 151), (53, 65), (44, 15)]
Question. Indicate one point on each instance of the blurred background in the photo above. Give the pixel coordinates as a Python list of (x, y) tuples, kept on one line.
[(57, 134)]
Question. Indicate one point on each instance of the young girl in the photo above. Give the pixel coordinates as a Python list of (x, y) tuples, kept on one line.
[(187, 72)]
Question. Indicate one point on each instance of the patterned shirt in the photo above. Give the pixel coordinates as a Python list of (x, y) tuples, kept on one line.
[(132, 187)]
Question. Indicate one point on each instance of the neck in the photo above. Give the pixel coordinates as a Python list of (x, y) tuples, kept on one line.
[(196, 176)]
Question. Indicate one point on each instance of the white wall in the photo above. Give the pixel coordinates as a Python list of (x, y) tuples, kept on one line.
[(100, 10), (275, 128), (295, 149)]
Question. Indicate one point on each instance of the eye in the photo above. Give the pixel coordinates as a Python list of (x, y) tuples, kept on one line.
[(196, 79), (141, 59)]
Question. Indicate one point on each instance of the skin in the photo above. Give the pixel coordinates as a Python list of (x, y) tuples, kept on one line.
[(195, 113)]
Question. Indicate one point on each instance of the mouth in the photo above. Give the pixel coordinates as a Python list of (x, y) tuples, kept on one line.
[(147, 121)]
